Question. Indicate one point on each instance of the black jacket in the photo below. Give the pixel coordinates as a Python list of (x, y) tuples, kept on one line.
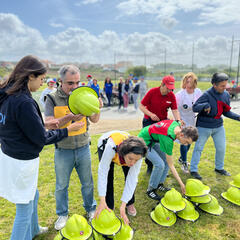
[(22, 132)]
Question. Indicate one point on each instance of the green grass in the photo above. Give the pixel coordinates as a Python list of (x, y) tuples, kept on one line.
[(226, 226)]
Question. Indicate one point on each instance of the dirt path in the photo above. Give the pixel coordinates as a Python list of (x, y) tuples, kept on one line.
[(112, 119)]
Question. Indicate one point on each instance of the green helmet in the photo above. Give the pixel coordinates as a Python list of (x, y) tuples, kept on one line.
[(189, 213), (58, 237), (76, 228), (236, 181), (195, 188), (212, 207), (84, 100), (173, 201), (202, 199), (97, 236), (162, 216), (107, 223), (232, 195), (126, 233)]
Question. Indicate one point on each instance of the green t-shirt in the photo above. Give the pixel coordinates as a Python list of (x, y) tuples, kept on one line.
[(166, 143)]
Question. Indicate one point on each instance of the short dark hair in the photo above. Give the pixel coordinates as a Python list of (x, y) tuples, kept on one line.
[(18, 80), (190, 132), (134, 145), (219, 77)]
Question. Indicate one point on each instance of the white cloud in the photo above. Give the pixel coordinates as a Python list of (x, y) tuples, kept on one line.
[(18, 39), (86, 2), (78, 45), (215, 11), (55, 25)]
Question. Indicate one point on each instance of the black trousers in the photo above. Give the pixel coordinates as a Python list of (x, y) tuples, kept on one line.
[(110, 187)]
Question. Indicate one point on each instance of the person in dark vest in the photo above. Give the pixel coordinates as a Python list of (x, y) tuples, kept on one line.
[(119, 148), (160, 138), (210, 107)]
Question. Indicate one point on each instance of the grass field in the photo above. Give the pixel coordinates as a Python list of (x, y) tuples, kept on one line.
[(226, 226)]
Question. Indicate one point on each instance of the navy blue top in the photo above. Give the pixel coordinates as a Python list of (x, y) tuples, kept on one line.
[(22, 132), (219, 104)]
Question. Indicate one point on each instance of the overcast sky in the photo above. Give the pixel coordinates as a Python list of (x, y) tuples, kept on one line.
[(93, 30)]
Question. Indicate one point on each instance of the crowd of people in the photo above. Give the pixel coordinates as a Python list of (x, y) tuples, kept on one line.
[(24, 133)]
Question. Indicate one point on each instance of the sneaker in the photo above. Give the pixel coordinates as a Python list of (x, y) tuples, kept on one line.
[(131, 210), (42, 230), (153, 195), (90, 215), (196, 175), (184, 167), (163, 188), (61, 222), (222, 172), (180, 161)]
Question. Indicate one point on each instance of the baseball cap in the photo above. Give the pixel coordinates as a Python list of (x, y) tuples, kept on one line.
[(50, 80), (89, 76), (169, 81)]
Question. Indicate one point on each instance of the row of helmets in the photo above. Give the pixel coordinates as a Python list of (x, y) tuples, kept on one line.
[(106, 226), (173, 204), (233, 193)]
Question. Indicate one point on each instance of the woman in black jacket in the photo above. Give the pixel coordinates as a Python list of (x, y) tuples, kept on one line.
[(22, 137)]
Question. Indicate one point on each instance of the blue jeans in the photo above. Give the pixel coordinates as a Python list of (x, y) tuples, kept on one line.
[(160, 170), (65, 161), (184, 150), (25, 225), (218, 135)]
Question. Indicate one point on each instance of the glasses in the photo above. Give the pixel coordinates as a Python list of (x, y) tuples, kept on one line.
[(71, 83)]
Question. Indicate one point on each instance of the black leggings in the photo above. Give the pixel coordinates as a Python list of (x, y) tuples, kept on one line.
[(110, 188)]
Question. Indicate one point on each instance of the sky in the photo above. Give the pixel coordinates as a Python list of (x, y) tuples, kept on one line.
[(108, 31)]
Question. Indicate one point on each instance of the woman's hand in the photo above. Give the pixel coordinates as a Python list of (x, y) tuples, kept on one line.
[(102, 205), (183, 189), (52, 124), (123, 213)]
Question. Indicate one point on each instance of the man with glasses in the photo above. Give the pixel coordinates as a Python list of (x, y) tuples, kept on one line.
[(72, 152)]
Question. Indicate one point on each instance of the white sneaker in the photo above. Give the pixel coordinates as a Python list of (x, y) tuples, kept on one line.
[(42, 230), (90, 215), (61, 222)]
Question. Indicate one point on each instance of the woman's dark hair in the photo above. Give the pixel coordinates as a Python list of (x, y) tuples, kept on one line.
[(190, 132), (107, 79), (134, 145), (18, 80)]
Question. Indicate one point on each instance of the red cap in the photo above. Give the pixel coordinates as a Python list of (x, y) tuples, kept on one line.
[(89, 76), (169, 81)]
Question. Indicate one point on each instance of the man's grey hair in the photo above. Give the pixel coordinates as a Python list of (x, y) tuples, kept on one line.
[(67, 68)]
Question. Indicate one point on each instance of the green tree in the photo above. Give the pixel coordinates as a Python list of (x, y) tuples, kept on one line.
[(137, 71)]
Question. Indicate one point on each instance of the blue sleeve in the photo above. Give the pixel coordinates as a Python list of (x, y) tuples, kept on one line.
[(201, 104), (32, 126), (232, 115)]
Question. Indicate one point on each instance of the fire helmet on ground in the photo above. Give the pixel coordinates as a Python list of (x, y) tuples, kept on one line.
[(236, 181), (173, 201), (189, 213), (195, 188), (232, 195), (202, 199), (212, 207), (76, 228), (162, 216), (107, 223)]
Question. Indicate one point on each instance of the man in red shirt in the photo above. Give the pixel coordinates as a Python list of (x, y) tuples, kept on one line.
[(156, 103)]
